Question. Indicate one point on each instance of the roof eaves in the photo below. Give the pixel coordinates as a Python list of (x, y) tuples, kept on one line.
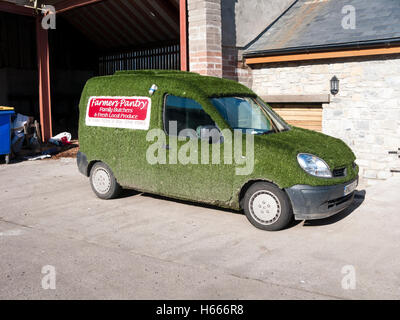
[(324, 47)]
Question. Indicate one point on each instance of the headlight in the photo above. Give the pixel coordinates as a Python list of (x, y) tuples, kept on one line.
[(314, 165)]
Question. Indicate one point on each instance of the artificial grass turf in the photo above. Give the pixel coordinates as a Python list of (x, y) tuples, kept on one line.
[(124, 150), (155, 72)]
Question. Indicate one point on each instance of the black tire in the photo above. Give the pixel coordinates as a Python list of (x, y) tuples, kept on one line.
[(103, 182), (265, 200)]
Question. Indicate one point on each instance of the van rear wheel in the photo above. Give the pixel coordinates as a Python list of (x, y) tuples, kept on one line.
[(267, 207), (103, 182)]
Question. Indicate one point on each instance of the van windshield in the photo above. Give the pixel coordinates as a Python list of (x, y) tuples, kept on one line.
[(245, 113)]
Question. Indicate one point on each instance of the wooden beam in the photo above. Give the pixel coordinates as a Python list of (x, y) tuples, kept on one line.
[(151, 6), (42, 44), (183, 35), (16, 9), (155, 33), (66, 5), (174, 3), (297, 98), (168, 10), (323, 55)]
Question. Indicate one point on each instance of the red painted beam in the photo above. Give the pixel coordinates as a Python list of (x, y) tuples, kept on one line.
[(42, 44), (183, 35), (72, 4), (16, 9)]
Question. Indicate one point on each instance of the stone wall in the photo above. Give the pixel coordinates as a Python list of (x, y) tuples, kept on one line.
[(365, 113)]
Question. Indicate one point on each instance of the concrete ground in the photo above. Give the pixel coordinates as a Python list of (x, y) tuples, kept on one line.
[(147, 247)]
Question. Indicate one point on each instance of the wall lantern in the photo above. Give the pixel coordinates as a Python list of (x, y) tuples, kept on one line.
[(334, 85)]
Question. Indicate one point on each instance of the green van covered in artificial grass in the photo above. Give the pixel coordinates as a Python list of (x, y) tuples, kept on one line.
[(209, 140)]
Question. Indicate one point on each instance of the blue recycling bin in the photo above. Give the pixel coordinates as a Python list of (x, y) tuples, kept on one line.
[(5, 133)]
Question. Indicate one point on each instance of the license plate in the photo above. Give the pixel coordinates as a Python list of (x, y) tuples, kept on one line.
[(350, 188)]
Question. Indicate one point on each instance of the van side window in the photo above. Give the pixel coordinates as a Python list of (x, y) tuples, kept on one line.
[(186, 112)]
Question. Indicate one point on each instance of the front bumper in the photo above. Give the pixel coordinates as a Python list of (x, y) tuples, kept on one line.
[(311, 203)]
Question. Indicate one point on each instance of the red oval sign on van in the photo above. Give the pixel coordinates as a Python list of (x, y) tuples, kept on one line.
[(119, 112)]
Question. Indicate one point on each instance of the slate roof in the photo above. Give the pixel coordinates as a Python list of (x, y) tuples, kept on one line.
[(316, 24)]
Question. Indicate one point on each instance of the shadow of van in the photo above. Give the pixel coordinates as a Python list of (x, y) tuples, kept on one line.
[(129, 193), (358, 200)]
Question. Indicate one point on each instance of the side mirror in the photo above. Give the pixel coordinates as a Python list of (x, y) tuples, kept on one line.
[(210, 133)]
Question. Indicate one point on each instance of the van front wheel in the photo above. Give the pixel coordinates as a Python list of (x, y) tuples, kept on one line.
[(267, 207), (103, 182)]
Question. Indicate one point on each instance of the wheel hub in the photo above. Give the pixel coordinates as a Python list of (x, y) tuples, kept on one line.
[(265, 207), (101, 181)]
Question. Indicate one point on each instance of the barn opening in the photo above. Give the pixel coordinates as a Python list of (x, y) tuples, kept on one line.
[(92, 37)]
